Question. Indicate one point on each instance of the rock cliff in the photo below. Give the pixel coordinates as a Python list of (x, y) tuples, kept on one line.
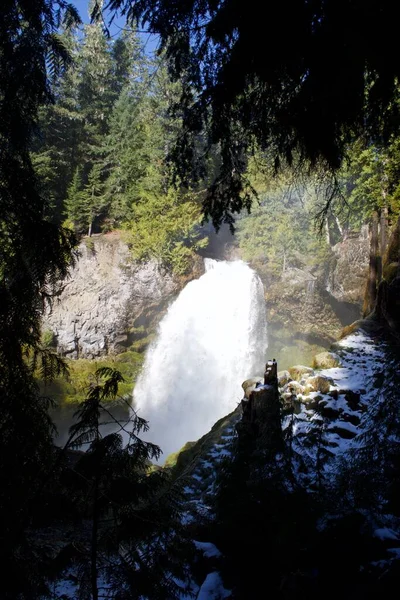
[(108, 301), (309, 306), (348, 271)]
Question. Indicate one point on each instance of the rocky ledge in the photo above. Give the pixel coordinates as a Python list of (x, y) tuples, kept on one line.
[(108, 301)]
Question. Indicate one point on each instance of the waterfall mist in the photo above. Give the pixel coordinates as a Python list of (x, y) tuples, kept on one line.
[(213, 337)]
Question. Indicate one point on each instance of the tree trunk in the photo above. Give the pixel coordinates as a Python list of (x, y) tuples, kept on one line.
[(95, 524), (93, 556), (383, 231), (398, 247), (370, 296)]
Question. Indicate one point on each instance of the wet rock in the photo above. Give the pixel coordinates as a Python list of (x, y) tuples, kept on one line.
[(283, 378), (347, 276), (319, 383), (299, 371), (326, 360), (293, 387), (250, 384), (312, 402)]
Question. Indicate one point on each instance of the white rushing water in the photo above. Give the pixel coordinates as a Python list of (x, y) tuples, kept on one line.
[(213, 337)]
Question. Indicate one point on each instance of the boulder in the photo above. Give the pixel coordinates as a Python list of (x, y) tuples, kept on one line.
[(291, 403), (353, 399), (319, 383), (283, 378), (327, 411), (293, 387), (250, 384), (326, 360), (311, 403), (344, 433), (299, 371)]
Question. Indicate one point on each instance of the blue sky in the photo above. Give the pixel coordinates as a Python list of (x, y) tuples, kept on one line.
[(150, 41)]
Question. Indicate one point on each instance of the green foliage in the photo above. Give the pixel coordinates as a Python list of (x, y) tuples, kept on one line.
[(48, 338), (128, 505), (102, 155), (34, 255), (243, 88), (75, 201), (73, 389), (167, 228), (370, 181), (172, 458), (162, 222), (281, 230)]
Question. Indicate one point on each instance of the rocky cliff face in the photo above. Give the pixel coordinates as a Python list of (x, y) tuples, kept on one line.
[(308, 307), (108, 301), (348, 271)]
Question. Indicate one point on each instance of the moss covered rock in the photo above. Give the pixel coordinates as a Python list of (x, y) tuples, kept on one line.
[(293, 387), (283, 378), (319, 383), (326, 360), (299, 371)]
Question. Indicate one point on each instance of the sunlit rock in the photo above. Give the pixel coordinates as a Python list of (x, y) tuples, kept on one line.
[(319, 383), (293, 387), (283, 378), (250, 384), (298, 371), (326, 360)]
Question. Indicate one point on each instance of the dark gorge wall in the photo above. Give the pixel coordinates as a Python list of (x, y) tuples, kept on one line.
[(308, 307)]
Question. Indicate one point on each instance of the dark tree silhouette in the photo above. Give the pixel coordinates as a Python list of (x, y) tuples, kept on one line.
[(298, 78), (34, 255)]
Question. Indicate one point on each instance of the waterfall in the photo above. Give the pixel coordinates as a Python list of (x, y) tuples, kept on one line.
[(213, 337)]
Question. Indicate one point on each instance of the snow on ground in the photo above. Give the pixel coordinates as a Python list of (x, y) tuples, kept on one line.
[(339, 417), (342, 412), (202, 481), (336, 420), (199, 491)]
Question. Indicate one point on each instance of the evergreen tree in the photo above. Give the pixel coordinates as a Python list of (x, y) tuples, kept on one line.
[(280, 232), (86, 203), (161, 222), (301, 99), (128, 61), (57, 145), (74, 203), (136, 546), (95, 92), (34, 256)]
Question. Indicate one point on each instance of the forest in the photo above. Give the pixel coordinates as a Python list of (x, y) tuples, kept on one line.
[(283, 126)]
